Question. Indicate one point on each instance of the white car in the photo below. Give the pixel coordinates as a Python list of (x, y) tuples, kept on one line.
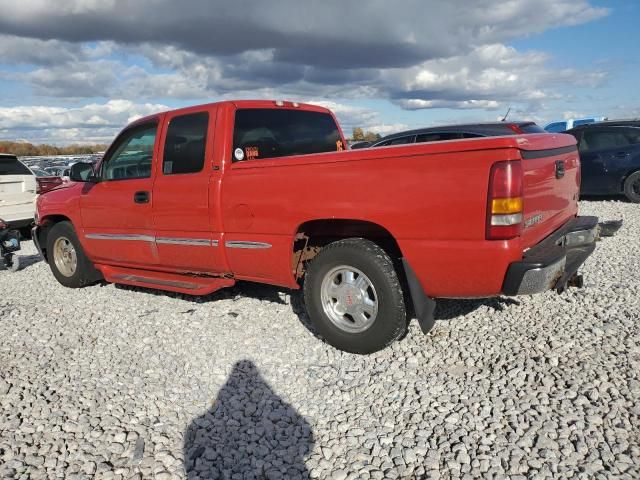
[(17, 192)]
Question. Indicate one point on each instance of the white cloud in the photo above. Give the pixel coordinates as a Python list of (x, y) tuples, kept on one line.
[(88, 124), (420, 54)]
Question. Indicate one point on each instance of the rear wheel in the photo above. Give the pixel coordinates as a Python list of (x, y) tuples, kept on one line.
[(67, 260), (353, 296), (632, 187)]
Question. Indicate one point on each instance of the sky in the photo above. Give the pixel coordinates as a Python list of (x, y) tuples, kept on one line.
[(78, 71)]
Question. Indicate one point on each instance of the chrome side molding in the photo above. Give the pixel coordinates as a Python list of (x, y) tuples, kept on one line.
[(246, 244), (119, 236)]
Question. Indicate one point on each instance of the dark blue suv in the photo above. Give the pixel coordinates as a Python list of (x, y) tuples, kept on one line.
[(610, 157)]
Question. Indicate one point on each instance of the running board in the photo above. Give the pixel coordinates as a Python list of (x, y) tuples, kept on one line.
[(172, 282)]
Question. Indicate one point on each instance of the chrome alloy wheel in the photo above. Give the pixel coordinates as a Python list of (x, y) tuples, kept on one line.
[(349, 299), (64, 256)]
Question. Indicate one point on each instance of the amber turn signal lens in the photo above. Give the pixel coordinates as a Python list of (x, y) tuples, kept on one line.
[(505, 206)]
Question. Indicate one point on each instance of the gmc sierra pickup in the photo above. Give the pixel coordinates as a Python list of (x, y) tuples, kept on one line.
[(194, 199)]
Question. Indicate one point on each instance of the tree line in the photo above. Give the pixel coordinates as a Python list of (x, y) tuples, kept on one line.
[(25, 149), (359, 135)]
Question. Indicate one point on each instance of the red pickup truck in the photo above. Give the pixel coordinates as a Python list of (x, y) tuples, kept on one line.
[(194, 199)]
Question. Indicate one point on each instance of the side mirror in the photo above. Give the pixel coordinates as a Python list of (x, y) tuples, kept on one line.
[(82, 172)]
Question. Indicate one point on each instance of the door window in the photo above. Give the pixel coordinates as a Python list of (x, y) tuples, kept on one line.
[(633, 134), (184, 147), (132, 154), (602, 140)]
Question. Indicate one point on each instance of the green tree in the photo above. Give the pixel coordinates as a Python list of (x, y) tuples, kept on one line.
[(358, 134)]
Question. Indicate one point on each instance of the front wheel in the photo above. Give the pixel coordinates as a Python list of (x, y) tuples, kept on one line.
[(354, 298), (67, 260), (632, 187)]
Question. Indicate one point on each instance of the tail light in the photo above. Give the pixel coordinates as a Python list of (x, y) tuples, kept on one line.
[(505, 202), (515, 128)]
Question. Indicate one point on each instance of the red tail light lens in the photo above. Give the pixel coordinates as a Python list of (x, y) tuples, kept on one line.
[(505, 204)]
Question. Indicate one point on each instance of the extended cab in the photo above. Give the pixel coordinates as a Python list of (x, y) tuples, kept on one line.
[(195, 199)]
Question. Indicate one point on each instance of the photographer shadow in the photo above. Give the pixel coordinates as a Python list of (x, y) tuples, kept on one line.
[(250, 431)]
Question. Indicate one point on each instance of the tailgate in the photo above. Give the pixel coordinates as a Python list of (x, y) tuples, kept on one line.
[(551, 168), (17, 189)]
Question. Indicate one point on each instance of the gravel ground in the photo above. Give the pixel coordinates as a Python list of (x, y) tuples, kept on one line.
[(117, 382)]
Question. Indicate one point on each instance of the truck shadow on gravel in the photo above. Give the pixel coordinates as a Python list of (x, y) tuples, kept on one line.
[(446, 309), (249, 431)]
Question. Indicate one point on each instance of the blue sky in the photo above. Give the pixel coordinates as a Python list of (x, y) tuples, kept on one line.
[(78, 72)]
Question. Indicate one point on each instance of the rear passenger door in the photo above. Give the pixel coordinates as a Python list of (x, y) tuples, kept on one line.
[(184, 193)]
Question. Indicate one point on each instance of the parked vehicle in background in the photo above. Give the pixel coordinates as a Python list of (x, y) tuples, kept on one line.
[(39, 172), (610, 160), (17, 192), (45, 180), (62, 172), (195, 199), (564, 125), (453, 132), (48, 183), (631, 122)]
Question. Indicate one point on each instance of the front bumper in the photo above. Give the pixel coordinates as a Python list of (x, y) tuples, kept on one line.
[(35, 236), (554, 262)]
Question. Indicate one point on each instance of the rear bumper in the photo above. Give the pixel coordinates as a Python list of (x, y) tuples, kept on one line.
[(552, 263)]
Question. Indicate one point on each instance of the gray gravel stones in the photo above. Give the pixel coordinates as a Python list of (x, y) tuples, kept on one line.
[(118, 383)]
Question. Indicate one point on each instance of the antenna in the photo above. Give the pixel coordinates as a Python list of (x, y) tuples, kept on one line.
[(504, 119)]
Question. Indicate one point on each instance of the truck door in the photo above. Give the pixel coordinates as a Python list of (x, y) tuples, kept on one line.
[(184, 193), (116, 211)]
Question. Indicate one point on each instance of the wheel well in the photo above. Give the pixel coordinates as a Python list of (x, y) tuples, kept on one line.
[(628, 174), (45, 225), (313, 235)]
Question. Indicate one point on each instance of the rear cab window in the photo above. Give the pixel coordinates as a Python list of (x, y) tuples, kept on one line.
[(261, 133), (10, 165)]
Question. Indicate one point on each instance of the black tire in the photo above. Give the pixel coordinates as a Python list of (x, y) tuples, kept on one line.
[(387, 325), (632, 187), (85, 273)]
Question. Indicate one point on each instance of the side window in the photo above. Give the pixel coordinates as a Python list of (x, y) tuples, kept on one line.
[(438, 137), (184, 147), (633, 134), (132, 154), (602, 140), (556, 127), (475, 135), (400, 141), (261, 133)]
